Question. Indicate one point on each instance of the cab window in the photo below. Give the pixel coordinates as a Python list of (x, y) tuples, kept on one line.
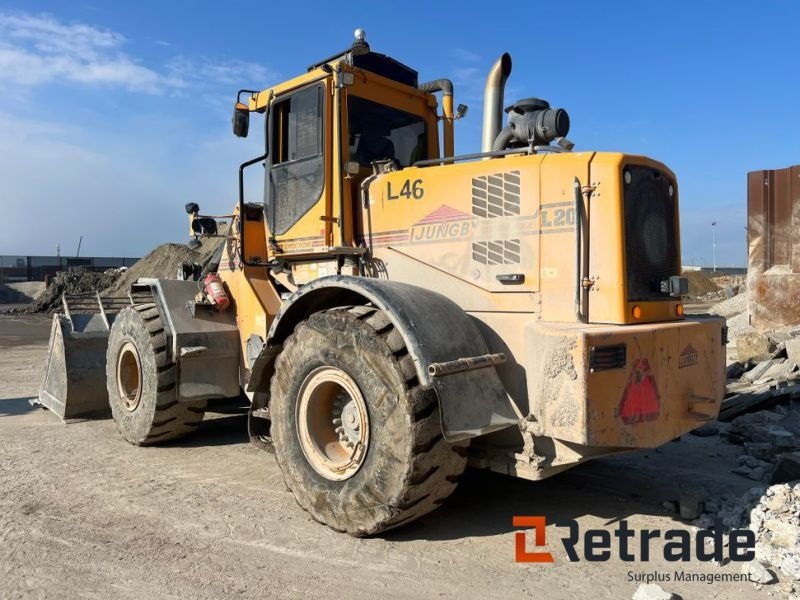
[(297, 171), (379, 132)]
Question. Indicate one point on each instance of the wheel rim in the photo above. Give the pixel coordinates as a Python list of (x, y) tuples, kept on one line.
[(332, 423), (129, 377)]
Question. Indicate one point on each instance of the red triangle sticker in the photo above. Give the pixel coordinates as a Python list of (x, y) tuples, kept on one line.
[(640, 401)]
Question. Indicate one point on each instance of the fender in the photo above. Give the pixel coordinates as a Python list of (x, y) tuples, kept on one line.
[(435, 330), (203, 346)]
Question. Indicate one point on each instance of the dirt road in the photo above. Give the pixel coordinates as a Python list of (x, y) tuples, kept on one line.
[(82, 513)]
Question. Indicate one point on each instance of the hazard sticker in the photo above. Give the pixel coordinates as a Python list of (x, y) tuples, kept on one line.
[(640, 401)]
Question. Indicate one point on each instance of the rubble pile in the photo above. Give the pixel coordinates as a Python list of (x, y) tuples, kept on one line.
[(73, 281), (776, 523), (700, 284), (773, 515), (767, 369), (771, 443), (9, 295), (165, 261)]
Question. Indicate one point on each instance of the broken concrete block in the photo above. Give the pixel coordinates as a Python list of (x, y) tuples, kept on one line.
[(651, 591), (782, 439), (735, 370), (793, 349), (758, 371), (757, 474), (778, 371), (752, 345), (787, 469), (759, 450), (758, 573)]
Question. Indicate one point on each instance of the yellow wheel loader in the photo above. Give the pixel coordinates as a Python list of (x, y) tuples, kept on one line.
[(398, 312)]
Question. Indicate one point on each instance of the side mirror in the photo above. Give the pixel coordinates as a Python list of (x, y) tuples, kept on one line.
[(240, 120)]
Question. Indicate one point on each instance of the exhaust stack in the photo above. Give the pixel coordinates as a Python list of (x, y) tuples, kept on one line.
[(493, 101)]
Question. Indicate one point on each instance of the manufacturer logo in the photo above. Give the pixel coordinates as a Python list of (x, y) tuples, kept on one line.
[(688, 357), (445, 223)]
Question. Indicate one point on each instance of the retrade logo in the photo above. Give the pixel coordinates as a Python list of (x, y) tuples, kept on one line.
[(632, 545), (538, 525)]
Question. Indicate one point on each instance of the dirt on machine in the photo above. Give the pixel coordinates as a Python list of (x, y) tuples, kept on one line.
[(394, 311)]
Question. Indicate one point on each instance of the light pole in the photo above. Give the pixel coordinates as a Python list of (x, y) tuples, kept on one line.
[(714, 244)]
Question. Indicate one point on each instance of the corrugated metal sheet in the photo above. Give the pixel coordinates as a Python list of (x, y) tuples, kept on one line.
[(773, 234)]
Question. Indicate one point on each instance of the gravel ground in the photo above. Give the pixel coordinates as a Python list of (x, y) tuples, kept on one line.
[(84, 514)]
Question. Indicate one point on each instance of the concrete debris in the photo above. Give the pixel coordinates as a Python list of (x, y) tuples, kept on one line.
[(776, 523), (738, 325), (73, 281), (771, 442), (758, 573), (731, 307), (764, 377), (793, 349), (786, 469), (753, 346), (773, 515), (652, 591)]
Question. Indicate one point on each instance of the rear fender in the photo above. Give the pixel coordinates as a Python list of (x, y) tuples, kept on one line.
[(435, 330)]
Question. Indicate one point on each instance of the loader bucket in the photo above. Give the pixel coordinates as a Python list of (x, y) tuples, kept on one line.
[(74, 384)]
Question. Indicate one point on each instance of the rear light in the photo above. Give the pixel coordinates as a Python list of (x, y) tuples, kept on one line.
[(605, 358), (679, 310), (637, 312)]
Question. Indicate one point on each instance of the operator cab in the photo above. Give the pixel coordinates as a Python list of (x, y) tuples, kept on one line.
[(351, 115)]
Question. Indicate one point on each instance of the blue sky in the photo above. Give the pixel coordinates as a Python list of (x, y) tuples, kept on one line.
[(113, 115)]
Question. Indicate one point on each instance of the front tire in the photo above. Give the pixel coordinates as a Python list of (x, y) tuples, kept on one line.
[(357, 438), (141, 382)]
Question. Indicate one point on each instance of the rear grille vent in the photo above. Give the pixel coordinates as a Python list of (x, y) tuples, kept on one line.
[(501, 252), (651, 252), (494, 196), (605, 358)]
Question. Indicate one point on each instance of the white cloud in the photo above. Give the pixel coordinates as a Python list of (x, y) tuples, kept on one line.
[(464, 55), (225, 72), (39, 49)]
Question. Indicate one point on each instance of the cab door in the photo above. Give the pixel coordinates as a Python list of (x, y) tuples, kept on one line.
[(297, 194)]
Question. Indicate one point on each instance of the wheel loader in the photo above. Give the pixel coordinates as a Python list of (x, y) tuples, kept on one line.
[(394, 311)]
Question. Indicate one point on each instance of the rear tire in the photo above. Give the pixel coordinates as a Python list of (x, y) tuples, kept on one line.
[(141, 380), (406, 470)]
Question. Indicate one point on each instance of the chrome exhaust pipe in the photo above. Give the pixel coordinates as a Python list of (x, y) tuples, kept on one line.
[(493, 101)]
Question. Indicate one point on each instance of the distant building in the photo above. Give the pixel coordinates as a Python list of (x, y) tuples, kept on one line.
[(41, 268), (719, 271)]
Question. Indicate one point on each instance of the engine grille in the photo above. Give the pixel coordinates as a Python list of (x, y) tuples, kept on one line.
[(494, 196), (651, 250)]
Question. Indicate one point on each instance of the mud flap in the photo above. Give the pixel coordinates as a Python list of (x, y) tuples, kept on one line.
[(473, 403)]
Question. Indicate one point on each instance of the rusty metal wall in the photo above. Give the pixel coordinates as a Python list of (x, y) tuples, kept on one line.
[(773, 235)]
